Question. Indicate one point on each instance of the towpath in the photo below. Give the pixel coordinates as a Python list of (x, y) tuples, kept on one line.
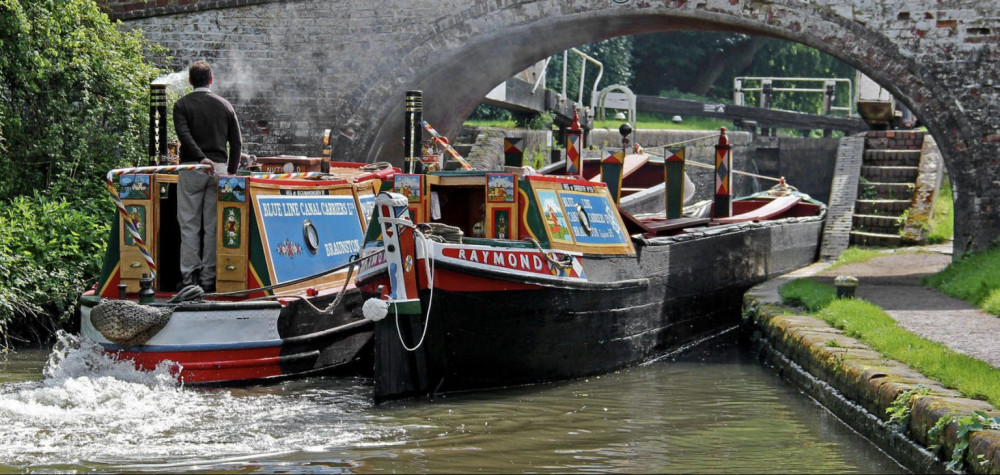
[(892, 282)]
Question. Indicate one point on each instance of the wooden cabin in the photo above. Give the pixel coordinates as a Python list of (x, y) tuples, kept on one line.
[(271, 229), (557, 212)]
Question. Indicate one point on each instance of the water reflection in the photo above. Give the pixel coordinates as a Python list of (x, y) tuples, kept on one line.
[(712, 412)]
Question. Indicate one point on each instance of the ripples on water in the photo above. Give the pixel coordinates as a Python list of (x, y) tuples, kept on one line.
[(720, 414)]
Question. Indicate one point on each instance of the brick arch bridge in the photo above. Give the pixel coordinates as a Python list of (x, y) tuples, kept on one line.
[(295, 67)]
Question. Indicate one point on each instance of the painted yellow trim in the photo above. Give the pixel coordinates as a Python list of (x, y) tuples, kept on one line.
[(524, 216), (256, 277), (113, 272)]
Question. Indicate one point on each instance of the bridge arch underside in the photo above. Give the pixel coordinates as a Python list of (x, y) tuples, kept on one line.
[(461, 49)]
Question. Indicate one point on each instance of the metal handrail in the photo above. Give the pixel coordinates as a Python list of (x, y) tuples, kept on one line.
[(583, 72), (739, 89)]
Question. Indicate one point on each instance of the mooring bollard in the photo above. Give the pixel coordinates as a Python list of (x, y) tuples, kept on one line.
[(146, 294), (846, 285)]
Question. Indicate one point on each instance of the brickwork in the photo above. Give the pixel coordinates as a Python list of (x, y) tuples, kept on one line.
[(131, 9), (296, 67)]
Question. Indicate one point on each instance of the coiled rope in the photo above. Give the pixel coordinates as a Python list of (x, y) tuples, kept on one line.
[(340, 295), (441, 232), (371, 167)]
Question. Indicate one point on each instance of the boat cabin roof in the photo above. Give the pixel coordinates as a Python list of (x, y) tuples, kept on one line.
[(513, 205)]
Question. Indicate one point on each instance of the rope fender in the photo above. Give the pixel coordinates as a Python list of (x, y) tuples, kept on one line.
[(126, 323)]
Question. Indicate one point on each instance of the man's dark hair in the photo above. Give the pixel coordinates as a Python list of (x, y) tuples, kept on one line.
[(200, 74)]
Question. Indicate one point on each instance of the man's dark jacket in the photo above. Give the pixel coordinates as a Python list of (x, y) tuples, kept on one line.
[(205, 122)]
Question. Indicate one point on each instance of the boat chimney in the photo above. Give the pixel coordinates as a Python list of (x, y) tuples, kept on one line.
[(413, 131), (723, 206), (157, 123)]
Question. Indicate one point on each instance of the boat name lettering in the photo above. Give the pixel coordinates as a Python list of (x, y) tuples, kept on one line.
[(575, 187), (341, 247), (372, 262), (306, 209), (526, 261), (304, 192)]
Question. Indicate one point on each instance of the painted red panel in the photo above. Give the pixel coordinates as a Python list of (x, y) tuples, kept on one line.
[(212, 365)]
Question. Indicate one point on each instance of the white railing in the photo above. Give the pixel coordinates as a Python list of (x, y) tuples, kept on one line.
[(766, 86), (585, 58)]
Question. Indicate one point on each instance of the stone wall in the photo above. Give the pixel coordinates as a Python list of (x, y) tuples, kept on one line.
[(860, 386)]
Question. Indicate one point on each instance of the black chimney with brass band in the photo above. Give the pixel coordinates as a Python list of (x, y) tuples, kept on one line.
[(157, 123), (412, 150)]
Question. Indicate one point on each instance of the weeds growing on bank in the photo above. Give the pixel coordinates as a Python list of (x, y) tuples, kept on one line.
[(871, 325), (807, 293), (942, 226)]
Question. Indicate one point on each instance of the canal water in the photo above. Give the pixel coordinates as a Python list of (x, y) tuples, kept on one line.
[(713, 410)]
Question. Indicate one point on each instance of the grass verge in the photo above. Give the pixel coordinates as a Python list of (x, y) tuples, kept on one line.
[(942, 226), (870, 324), (974, 278)]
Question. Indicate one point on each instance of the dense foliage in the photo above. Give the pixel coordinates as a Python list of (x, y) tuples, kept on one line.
[(50, 251), (73, 94), (705, 63), (73, 105)]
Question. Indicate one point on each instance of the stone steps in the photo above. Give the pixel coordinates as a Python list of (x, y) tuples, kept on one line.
[(869, 239), (874, 223), (890, 167), (892, 208), (884, 191), (889, 174), (889, 157), (894, 140)]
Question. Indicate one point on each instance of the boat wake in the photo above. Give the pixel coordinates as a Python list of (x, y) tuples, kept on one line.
[(93, 412), (73, 357)]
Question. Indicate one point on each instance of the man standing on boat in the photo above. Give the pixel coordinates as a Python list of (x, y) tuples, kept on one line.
[(205, 124)]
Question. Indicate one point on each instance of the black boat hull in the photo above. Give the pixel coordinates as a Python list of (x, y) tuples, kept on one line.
[(675, 291)]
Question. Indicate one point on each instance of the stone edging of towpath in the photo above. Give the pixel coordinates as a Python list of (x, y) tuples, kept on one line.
[(859, 385)]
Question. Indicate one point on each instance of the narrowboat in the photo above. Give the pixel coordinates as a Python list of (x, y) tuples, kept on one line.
[(285, 303), (480, 279)]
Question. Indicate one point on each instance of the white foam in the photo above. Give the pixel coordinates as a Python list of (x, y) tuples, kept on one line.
[(94, 411)]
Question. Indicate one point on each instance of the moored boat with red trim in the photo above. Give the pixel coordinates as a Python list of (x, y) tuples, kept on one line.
[(483, 279), (560, 286)]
